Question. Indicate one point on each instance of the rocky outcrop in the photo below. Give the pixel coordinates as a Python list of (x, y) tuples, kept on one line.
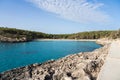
[(82, 66), (9, 39)]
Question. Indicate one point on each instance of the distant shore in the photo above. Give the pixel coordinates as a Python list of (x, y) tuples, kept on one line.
[(65, 39)]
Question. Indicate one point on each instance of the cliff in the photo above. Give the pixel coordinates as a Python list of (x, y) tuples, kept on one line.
[(81, 66)]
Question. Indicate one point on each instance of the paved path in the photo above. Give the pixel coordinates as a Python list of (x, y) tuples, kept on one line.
[(111, 68)]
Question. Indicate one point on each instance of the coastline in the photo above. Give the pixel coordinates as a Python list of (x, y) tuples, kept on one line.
[(83, 62), (65, 39), (9, 40)]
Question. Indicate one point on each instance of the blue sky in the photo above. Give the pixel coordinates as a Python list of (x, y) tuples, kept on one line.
[(60, 16)]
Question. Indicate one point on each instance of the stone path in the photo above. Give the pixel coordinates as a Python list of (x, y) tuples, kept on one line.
[(111, 68)]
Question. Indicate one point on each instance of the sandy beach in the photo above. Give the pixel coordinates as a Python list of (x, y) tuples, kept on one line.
[(66, 39)]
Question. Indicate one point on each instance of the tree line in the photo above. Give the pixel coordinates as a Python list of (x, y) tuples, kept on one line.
[(30, 35)]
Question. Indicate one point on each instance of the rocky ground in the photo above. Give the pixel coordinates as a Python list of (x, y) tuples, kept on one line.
[(82, 66), (8, 39)]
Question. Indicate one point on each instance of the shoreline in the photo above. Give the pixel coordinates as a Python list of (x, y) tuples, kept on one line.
[(95, 57), (20, 41), (65, 40)]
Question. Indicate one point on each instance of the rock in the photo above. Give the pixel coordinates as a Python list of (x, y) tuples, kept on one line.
[(81, 66), (13, 40)]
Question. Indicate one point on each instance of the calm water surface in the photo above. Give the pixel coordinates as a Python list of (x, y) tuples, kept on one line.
[(14, 55)]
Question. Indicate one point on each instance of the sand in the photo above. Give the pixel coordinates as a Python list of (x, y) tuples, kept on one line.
[(66, 39), (111, 68)]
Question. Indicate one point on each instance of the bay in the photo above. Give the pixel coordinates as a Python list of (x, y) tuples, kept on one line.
[(13, 55)]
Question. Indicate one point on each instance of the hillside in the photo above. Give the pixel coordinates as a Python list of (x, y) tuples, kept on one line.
[(18, 35)]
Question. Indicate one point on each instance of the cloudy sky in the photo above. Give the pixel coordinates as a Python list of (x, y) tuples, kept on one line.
[(60, 16)]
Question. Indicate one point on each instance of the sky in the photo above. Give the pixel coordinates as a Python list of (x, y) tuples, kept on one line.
[(60, 16)]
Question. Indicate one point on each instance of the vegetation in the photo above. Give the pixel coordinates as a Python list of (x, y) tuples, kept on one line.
[(30, 35), (17, 33), (91, 35), (115, 34)]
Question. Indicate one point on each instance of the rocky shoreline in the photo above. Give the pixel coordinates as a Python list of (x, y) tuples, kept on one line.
[(13, 40), (81, 66)]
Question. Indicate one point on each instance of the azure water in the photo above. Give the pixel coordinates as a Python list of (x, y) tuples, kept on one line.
[(14, 55)]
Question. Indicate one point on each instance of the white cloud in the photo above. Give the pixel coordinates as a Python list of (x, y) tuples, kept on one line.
[(76, 10)]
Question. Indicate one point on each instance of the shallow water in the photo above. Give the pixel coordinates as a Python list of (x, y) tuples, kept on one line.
[(14, 55)]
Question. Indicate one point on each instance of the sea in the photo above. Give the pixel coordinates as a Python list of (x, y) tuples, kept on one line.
[(13, 55)]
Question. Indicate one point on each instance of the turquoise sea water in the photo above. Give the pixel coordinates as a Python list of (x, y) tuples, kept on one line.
[(14, 55)]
